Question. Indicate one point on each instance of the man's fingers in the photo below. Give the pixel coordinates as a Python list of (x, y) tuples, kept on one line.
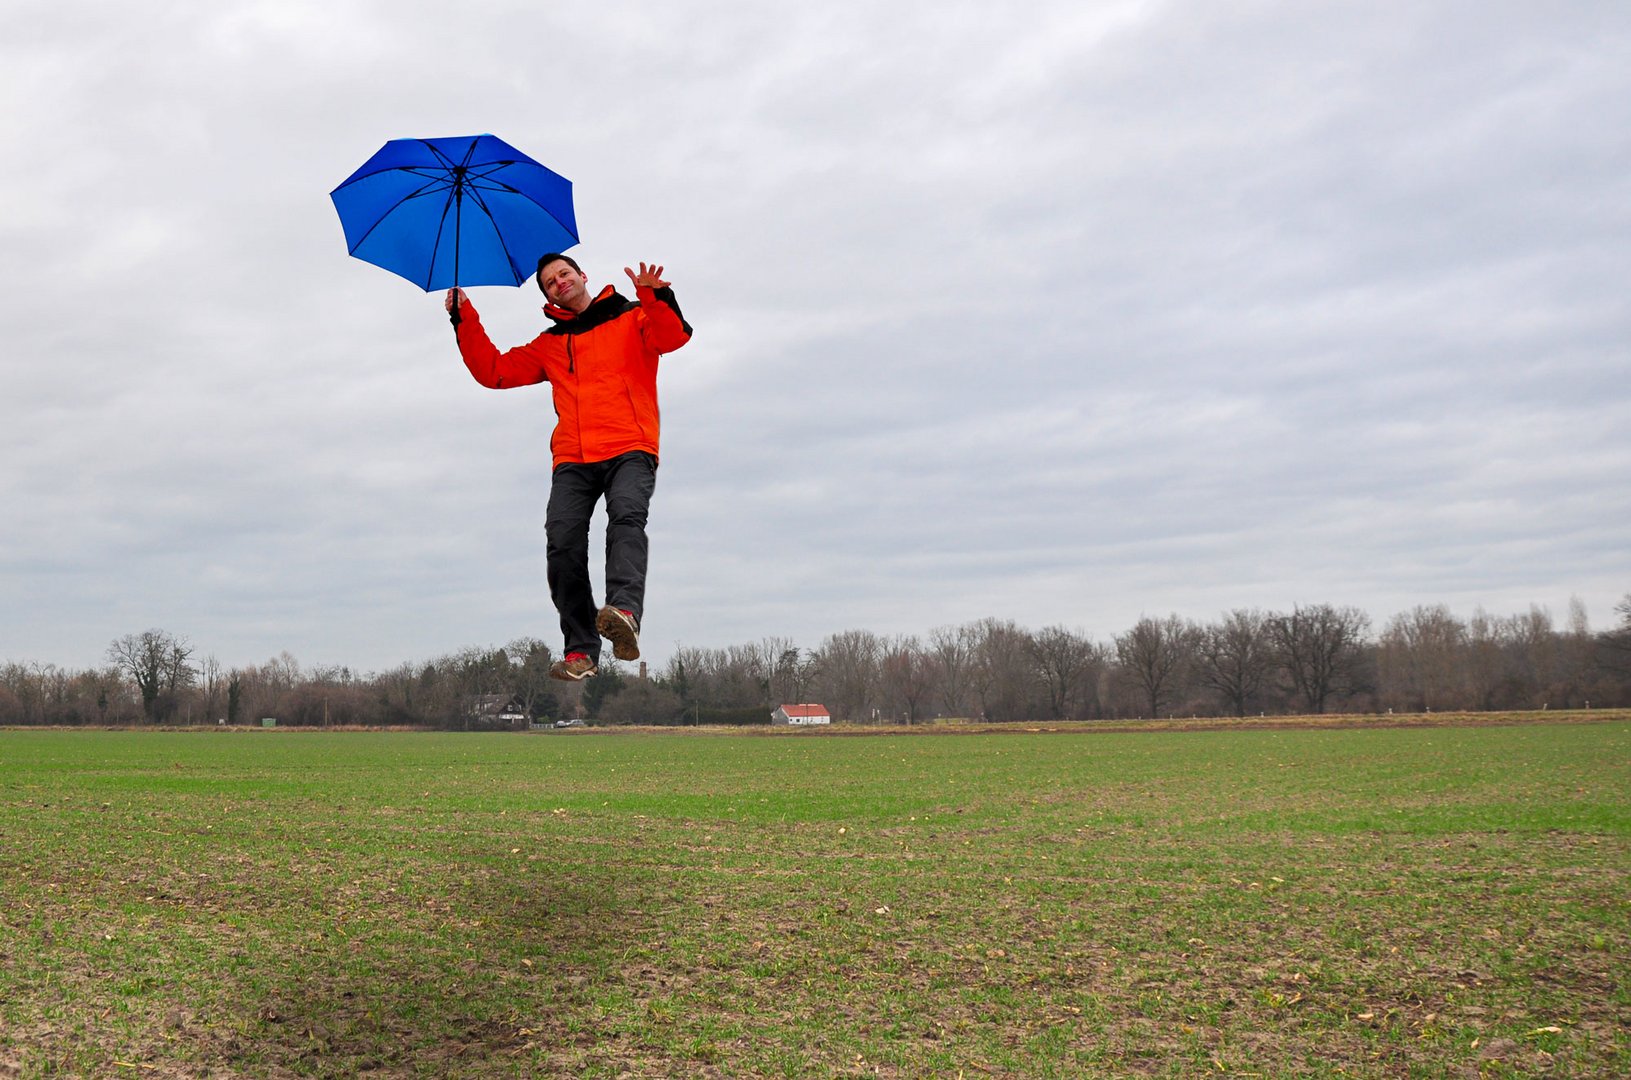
[(649, 275)]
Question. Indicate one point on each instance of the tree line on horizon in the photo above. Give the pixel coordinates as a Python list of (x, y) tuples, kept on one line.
[(1312, 659)]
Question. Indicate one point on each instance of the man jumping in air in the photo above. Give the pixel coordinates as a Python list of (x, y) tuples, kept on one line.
[(600, 359)]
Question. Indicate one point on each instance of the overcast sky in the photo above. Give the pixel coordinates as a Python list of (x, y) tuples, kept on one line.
[(1064, 313)]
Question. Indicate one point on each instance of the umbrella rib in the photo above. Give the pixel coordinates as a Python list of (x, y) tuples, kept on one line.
[(492, 168), (572, 231), (430, 264), (434, 175), (447, 161), (502, 243), (393, 208), (438, 182), (502, 186), (487, 169), (357, 179), (441, 182)]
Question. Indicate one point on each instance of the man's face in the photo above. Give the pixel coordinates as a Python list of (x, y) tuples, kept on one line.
[(564, 286)]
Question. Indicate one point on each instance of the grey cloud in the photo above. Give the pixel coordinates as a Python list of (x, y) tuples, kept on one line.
[(1119, 308)]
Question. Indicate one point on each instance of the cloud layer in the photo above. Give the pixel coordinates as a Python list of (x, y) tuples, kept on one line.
[(1119, 308)]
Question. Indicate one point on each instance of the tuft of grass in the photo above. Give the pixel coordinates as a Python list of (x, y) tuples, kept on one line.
[(1285, 901)]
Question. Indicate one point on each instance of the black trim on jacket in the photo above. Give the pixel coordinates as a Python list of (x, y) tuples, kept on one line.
[(609, 307)]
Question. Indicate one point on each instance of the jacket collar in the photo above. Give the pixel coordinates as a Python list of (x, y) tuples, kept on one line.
[(561, 315)]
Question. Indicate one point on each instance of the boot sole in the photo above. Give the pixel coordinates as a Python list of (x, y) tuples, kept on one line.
[(611, 625)]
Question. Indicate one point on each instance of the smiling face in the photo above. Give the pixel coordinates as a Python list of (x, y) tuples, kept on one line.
[(564, 285)]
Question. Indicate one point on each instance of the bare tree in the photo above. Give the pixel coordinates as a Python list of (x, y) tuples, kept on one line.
[(1485, 662), (157, 663), (1003, 673), (1156, 653), (11, 703), (684, 673), (107, 696), (907, 675), (848, 672), (1235, 657), (953, 651), (1616, 643), (1321, 651), (25, 698), (1534, 655), (36, 693), (1423, 659), (210, 683), (530, 681), (736, 677), (746, 671), (792, 674), (1068, 663), (641, 702), (1577, 653), (786, 672)]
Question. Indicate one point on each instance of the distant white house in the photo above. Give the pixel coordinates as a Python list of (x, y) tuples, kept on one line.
[(495, 710), (801, 714)]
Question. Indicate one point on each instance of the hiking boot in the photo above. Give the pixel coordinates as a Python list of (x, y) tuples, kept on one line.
[(622, 630), (572, 667)]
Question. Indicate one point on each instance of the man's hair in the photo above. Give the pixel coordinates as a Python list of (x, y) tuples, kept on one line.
[(545, 260)]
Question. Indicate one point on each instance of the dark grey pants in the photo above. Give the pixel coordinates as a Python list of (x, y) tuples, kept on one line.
[(626, 483)]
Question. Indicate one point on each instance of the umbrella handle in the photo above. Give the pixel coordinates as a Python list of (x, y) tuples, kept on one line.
[(453, 313)]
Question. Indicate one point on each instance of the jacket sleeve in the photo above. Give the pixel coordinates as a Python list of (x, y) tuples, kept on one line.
[(663, 327), (520, 366)]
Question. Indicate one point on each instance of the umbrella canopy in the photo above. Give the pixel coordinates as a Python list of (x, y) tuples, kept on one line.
[(471, 210)]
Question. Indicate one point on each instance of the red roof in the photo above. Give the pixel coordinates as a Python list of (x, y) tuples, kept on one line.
[(805, 710)]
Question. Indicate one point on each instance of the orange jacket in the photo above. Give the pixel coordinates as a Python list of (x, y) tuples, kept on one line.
[(601, 364)]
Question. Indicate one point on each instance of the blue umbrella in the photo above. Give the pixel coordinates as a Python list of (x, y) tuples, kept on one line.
[(472, 210)]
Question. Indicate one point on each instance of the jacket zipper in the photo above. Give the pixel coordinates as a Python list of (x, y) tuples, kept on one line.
[(577, 390)]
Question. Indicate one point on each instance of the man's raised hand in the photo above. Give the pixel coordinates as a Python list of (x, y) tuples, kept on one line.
[(649, 277), (451, 294)]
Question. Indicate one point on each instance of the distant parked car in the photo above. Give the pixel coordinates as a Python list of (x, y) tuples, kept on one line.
[(569, 723)]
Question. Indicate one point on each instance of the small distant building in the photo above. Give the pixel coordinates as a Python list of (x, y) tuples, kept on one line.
[(801, 714), (496, 710)]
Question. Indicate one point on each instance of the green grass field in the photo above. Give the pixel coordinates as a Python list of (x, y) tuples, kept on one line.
[(1437, 901)]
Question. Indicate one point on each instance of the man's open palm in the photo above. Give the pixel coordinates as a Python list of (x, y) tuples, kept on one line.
[(650, 277)]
